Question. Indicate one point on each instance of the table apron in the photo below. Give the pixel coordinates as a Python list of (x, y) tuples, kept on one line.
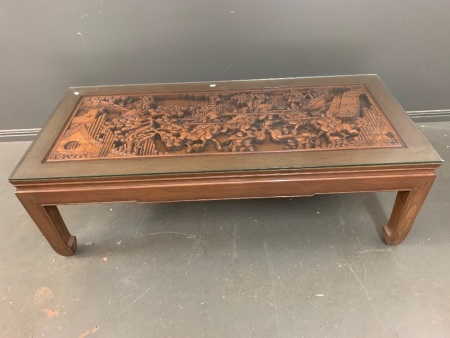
[(222, 187)]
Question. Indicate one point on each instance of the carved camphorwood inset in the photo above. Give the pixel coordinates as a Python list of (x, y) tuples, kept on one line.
[(218, 122)]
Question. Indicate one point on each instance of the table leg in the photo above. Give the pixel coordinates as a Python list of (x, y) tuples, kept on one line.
[(49, 221), (406, 208)]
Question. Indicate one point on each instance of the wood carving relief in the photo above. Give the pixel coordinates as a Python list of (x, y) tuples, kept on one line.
[(288, 119)]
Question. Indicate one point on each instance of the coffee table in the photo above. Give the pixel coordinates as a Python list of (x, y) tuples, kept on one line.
[(225, 140)]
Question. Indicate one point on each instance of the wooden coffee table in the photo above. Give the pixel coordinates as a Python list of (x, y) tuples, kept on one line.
[(225, 140)]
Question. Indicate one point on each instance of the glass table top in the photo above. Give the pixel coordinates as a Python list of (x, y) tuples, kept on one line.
[(253, 125)]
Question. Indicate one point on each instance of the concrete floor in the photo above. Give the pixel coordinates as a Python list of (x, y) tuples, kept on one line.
[(303, 267)]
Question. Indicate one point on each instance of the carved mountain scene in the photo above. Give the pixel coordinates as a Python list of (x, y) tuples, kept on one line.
[(187, 124)]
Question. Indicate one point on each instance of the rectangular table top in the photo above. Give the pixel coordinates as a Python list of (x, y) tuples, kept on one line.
[(234, 126)]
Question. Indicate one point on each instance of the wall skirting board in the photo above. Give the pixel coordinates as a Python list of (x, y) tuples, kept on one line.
[(18, 134), (430, 115), (416, 115)]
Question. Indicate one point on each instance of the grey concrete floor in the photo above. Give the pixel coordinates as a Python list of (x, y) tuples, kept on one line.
[(300, 267)]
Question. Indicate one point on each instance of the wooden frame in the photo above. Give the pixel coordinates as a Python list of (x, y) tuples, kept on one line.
[(410, 170)]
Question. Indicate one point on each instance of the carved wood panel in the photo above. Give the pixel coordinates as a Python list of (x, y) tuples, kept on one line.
[(162, 124)]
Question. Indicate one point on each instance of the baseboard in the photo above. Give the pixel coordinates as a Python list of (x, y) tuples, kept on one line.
[(417, 116), (430, 115), (19, 134)]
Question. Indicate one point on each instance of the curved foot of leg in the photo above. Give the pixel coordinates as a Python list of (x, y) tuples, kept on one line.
[(49, 221), (406, 208), (71, 247), (388, 237)]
